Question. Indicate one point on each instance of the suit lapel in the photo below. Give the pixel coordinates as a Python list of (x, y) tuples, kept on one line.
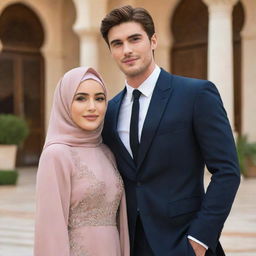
[(115, 111), (161, 94)]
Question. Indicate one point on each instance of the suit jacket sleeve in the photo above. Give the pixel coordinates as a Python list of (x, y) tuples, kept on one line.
[(217, 146), (52, 205)]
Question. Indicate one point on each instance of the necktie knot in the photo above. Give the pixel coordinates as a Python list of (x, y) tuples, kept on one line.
[(136, 94)]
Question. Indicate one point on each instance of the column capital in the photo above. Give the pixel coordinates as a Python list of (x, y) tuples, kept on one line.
[(220, 4), (89, 15), (82, 31)]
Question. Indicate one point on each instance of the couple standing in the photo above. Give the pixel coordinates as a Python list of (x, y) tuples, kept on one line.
[(162, 129)]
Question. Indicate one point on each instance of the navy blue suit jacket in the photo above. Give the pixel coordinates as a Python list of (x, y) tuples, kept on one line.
[(186, 128)]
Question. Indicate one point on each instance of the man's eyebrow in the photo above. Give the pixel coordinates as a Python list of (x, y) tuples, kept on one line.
[(134, 35), (129, 37)]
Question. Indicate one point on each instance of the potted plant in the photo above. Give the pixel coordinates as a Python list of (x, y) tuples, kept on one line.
[(13, 131), (246, 156)]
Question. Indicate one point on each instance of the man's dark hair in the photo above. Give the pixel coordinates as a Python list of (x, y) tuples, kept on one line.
[(127, 14)]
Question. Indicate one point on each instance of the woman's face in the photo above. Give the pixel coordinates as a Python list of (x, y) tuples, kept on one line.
[(89, 105)]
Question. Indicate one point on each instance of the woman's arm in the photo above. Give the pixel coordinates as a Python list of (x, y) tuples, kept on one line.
[(123, 227), (53, 191)]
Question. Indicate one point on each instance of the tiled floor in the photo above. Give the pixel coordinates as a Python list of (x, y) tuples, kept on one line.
[(239, 234), (17, 206)]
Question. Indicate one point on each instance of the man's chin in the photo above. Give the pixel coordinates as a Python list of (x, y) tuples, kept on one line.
[(131, 72)]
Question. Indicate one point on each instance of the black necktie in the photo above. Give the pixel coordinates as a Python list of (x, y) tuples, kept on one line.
[(134, 125)]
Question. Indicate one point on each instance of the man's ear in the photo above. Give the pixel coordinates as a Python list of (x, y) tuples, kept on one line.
[(153, 42)]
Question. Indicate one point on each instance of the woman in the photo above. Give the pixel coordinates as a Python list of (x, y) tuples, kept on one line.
[(80, 194)]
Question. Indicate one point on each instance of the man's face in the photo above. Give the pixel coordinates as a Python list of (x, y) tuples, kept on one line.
[(132, 49)]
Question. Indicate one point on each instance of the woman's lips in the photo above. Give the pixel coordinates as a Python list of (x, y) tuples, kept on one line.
[(91, 117)]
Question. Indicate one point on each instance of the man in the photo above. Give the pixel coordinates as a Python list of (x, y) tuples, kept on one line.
[(163, 130)]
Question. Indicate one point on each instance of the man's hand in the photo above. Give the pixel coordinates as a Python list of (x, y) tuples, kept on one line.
[(198, 248)]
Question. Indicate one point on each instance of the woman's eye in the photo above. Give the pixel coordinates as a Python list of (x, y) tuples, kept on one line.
[(100, 98), (80, 98)]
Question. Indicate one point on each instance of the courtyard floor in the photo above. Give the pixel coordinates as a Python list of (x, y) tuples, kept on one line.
[(17, 207)]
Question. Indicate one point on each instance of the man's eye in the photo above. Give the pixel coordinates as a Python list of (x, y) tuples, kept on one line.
[(117, 44), (135, 39)]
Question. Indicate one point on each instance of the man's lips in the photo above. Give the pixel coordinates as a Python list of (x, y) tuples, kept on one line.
[(91, 117), (130, 60)]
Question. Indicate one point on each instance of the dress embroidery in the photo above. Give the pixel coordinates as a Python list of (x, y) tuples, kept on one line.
[(94, 209), (76, 247)]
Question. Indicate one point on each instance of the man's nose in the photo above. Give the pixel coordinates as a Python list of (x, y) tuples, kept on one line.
[(127, 49)]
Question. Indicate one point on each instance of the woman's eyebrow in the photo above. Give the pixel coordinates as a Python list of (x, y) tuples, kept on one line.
[(85, 94)]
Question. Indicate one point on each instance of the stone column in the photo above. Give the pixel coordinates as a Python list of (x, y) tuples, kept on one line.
[(161, 15), (87, 25), (220, 51), (249, 71)]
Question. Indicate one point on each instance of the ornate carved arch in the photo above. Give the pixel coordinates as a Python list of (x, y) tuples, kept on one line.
[(22, 74)]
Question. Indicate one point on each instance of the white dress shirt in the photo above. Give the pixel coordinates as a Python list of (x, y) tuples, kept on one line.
[(124, 118)]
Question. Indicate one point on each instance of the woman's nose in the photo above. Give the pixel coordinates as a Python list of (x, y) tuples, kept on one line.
[(91, 106)]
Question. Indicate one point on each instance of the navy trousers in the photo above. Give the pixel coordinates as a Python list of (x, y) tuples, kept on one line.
[(141, 245)]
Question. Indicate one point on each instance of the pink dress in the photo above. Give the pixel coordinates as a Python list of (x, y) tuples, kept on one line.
[(83, 211), (81, 208)]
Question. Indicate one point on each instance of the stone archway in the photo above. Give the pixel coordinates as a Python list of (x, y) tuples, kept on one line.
[(22, 74), (189, 27)]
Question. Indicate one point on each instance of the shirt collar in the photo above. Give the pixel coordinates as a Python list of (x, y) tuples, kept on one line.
[(147, 87)]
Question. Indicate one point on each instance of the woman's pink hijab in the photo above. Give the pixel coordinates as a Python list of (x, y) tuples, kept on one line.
[(62, 129)]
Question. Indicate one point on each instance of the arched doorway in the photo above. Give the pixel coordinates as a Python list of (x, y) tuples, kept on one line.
[(189, 27), (22, 75)]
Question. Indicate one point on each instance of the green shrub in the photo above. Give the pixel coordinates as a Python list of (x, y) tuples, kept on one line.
[(245, 150), (8, 177), (13, 129)]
